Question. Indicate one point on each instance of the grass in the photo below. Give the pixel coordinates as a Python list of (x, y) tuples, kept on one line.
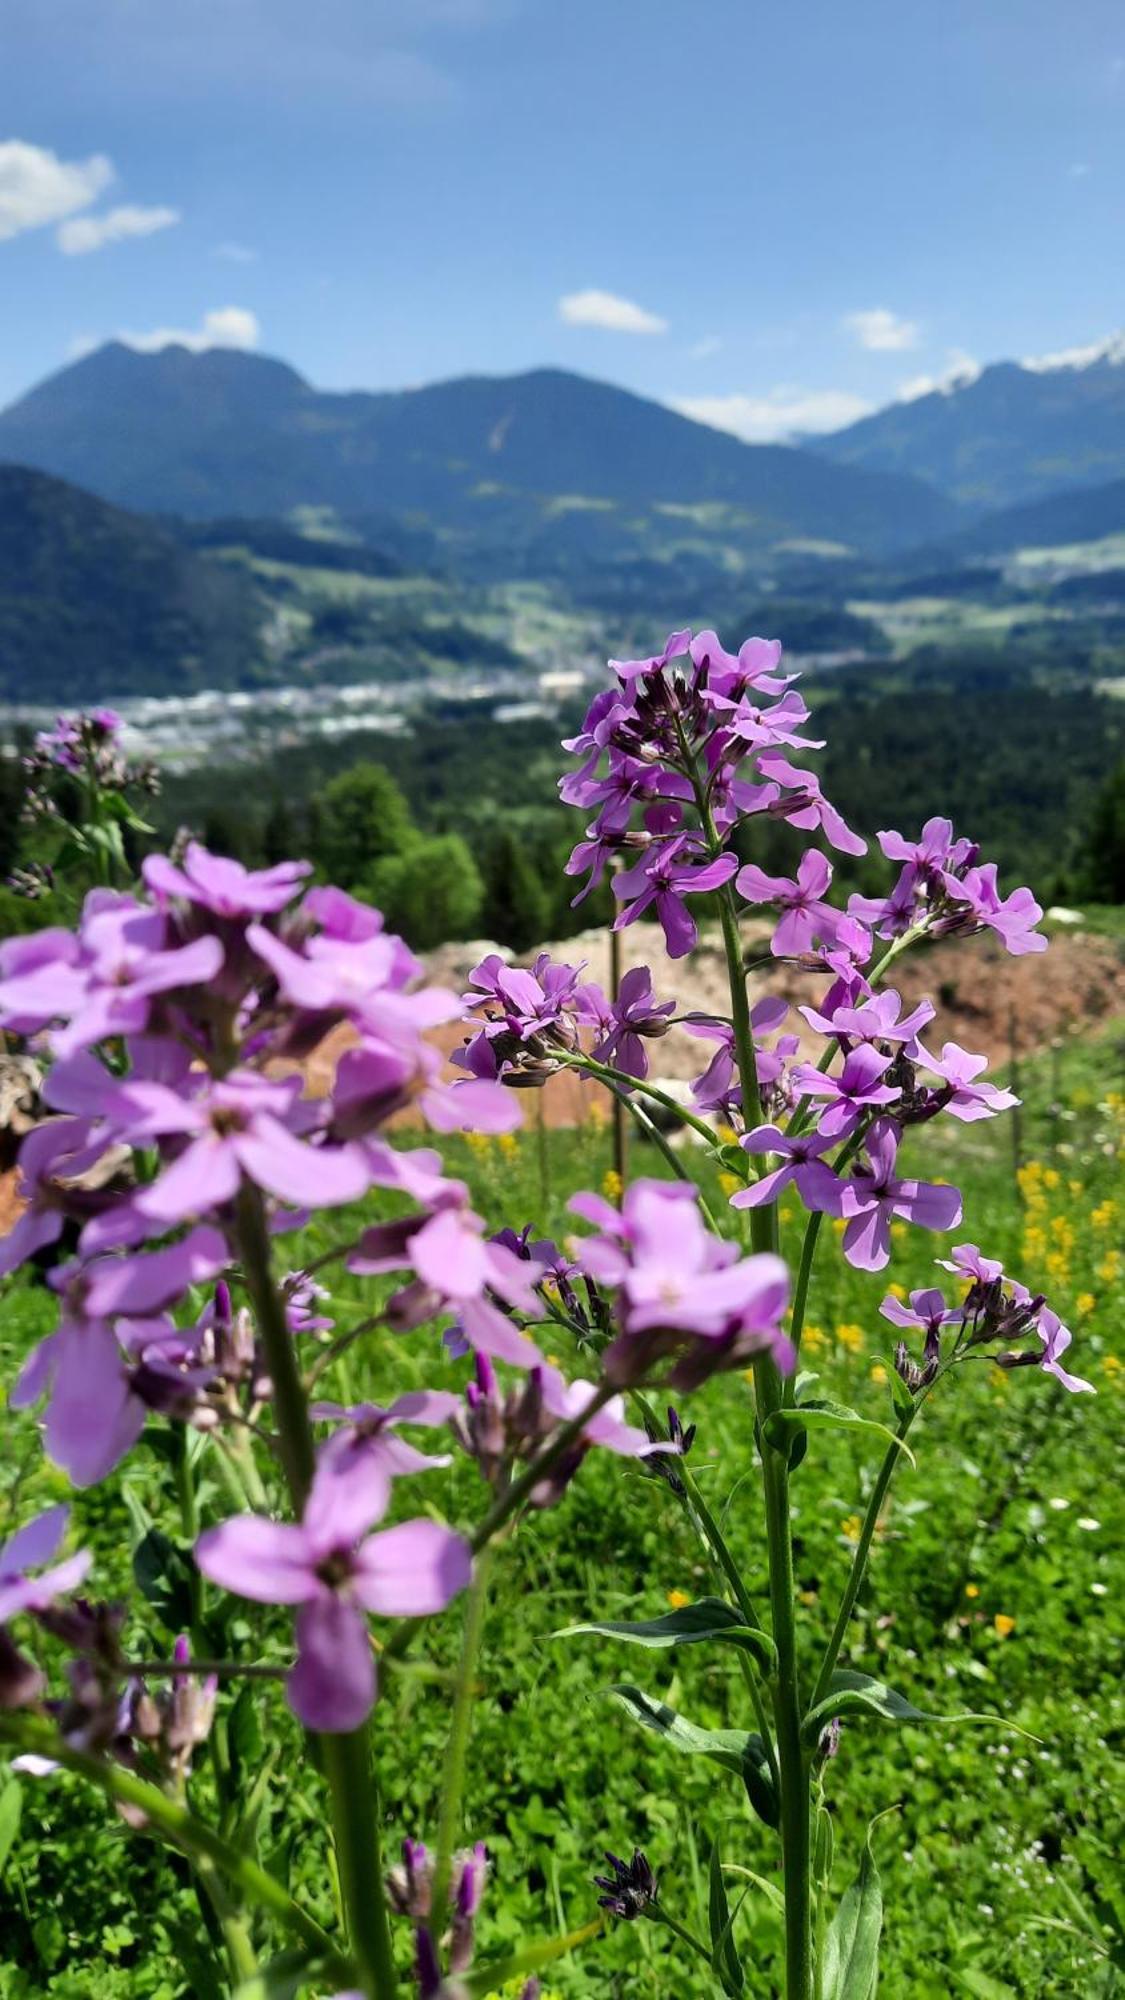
[(996, 1586)]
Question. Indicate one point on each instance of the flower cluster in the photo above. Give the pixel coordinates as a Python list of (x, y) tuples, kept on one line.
[(539, 1018), (996, 1310), (692, 744)]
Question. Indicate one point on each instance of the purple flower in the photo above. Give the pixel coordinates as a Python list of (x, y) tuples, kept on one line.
[(856, 1090), (239, 1127), (675, 646), (801, 1163), (662, 879), (927, 1310), (976, 900), (730, 674), (1056, 1338), (629, 1021), (104, 982), (719, 1085), (52, 1154), (807, 806), (92, 1417), (935, 851), (966, 1261), (873, 1197), (957, 1068), (334, 1578), (867, 1017), (29, 1548), (221, 885), (806, 914), (366, 1452), (678, 1285)]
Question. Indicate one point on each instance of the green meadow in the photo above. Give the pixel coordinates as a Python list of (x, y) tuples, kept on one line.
[(995, 1587)]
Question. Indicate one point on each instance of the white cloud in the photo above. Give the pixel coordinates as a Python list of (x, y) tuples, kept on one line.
[(37, 188), (781, 414), (606, 310), (236, 253), (226, 326), (960, 370), (84, 233), (1112, 349), (705, 348), (882, 331)]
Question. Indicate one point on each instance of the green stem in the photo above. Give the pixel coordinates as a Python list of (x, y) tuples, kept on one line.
[(346, 1758), (727, 1572), (652, 1132), (513, 1497), (862, 1550), (792, 1761), (189, 1524), (607, 1074), (659, 1915), (795, 1803), (457, 1748), (174, 1823)]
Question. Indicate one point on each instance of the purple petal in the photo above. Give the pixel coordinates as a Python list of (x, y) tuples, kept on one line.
[(411, 1570), (332, 1685), (269, 1561)]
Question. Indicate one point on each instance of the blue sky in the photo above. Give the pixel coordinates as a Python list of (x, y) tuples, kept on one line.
[(775, 215)]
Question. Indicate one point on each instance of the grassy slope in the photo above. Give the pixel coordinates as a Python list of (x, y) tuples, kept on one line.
[(993, 1829)]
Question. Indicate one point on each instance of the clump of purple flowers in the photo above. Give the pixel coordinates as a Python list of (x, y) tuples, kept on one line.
[(180, 1146)]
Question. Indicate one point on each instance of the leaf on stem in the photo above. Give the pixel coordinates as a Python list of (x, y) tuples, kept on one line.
[(709, 1618), (858, 1694), (737, 1750), (851, 1949), (724, 1957), (788, 1423), (485, 1979)]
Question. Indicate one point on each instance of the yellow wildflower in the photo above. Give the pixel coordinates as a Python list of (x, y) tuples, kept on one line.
[(972, 1590), (730, 1183), (896, 1290), (1004, 1626), (677, 1599), (509, 1145), (879, 1375), (612, 1184), (809, 1596), (850, 1336), (1085, 1303), (852, 1527), (1109, 1270)]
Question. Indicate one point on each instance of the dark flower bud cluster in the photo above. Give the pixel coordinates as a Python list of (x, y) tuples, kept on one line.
[(631, 1888)]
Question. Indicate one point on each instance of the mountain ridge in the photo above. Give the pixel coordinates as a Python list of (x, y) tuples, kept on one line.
[(489, 459)]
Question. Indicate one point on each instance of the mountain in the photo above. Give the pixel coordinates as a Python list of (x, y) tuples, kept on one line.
[(95, 602), (1082, 514), (1015, 432), (539, 472)]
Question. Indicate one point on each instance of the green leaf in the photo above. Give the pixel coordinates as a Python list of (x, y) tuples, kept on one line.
[(735, 1749), (851, 1948), (163, 1573), (11, 1803), (983, 1986), (710, 1618), (769, 1889), (485, 1979), (282, 1979), (819, 1414), (244, 1731), (858, 1694), (823, 1843), (724, 1957)]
